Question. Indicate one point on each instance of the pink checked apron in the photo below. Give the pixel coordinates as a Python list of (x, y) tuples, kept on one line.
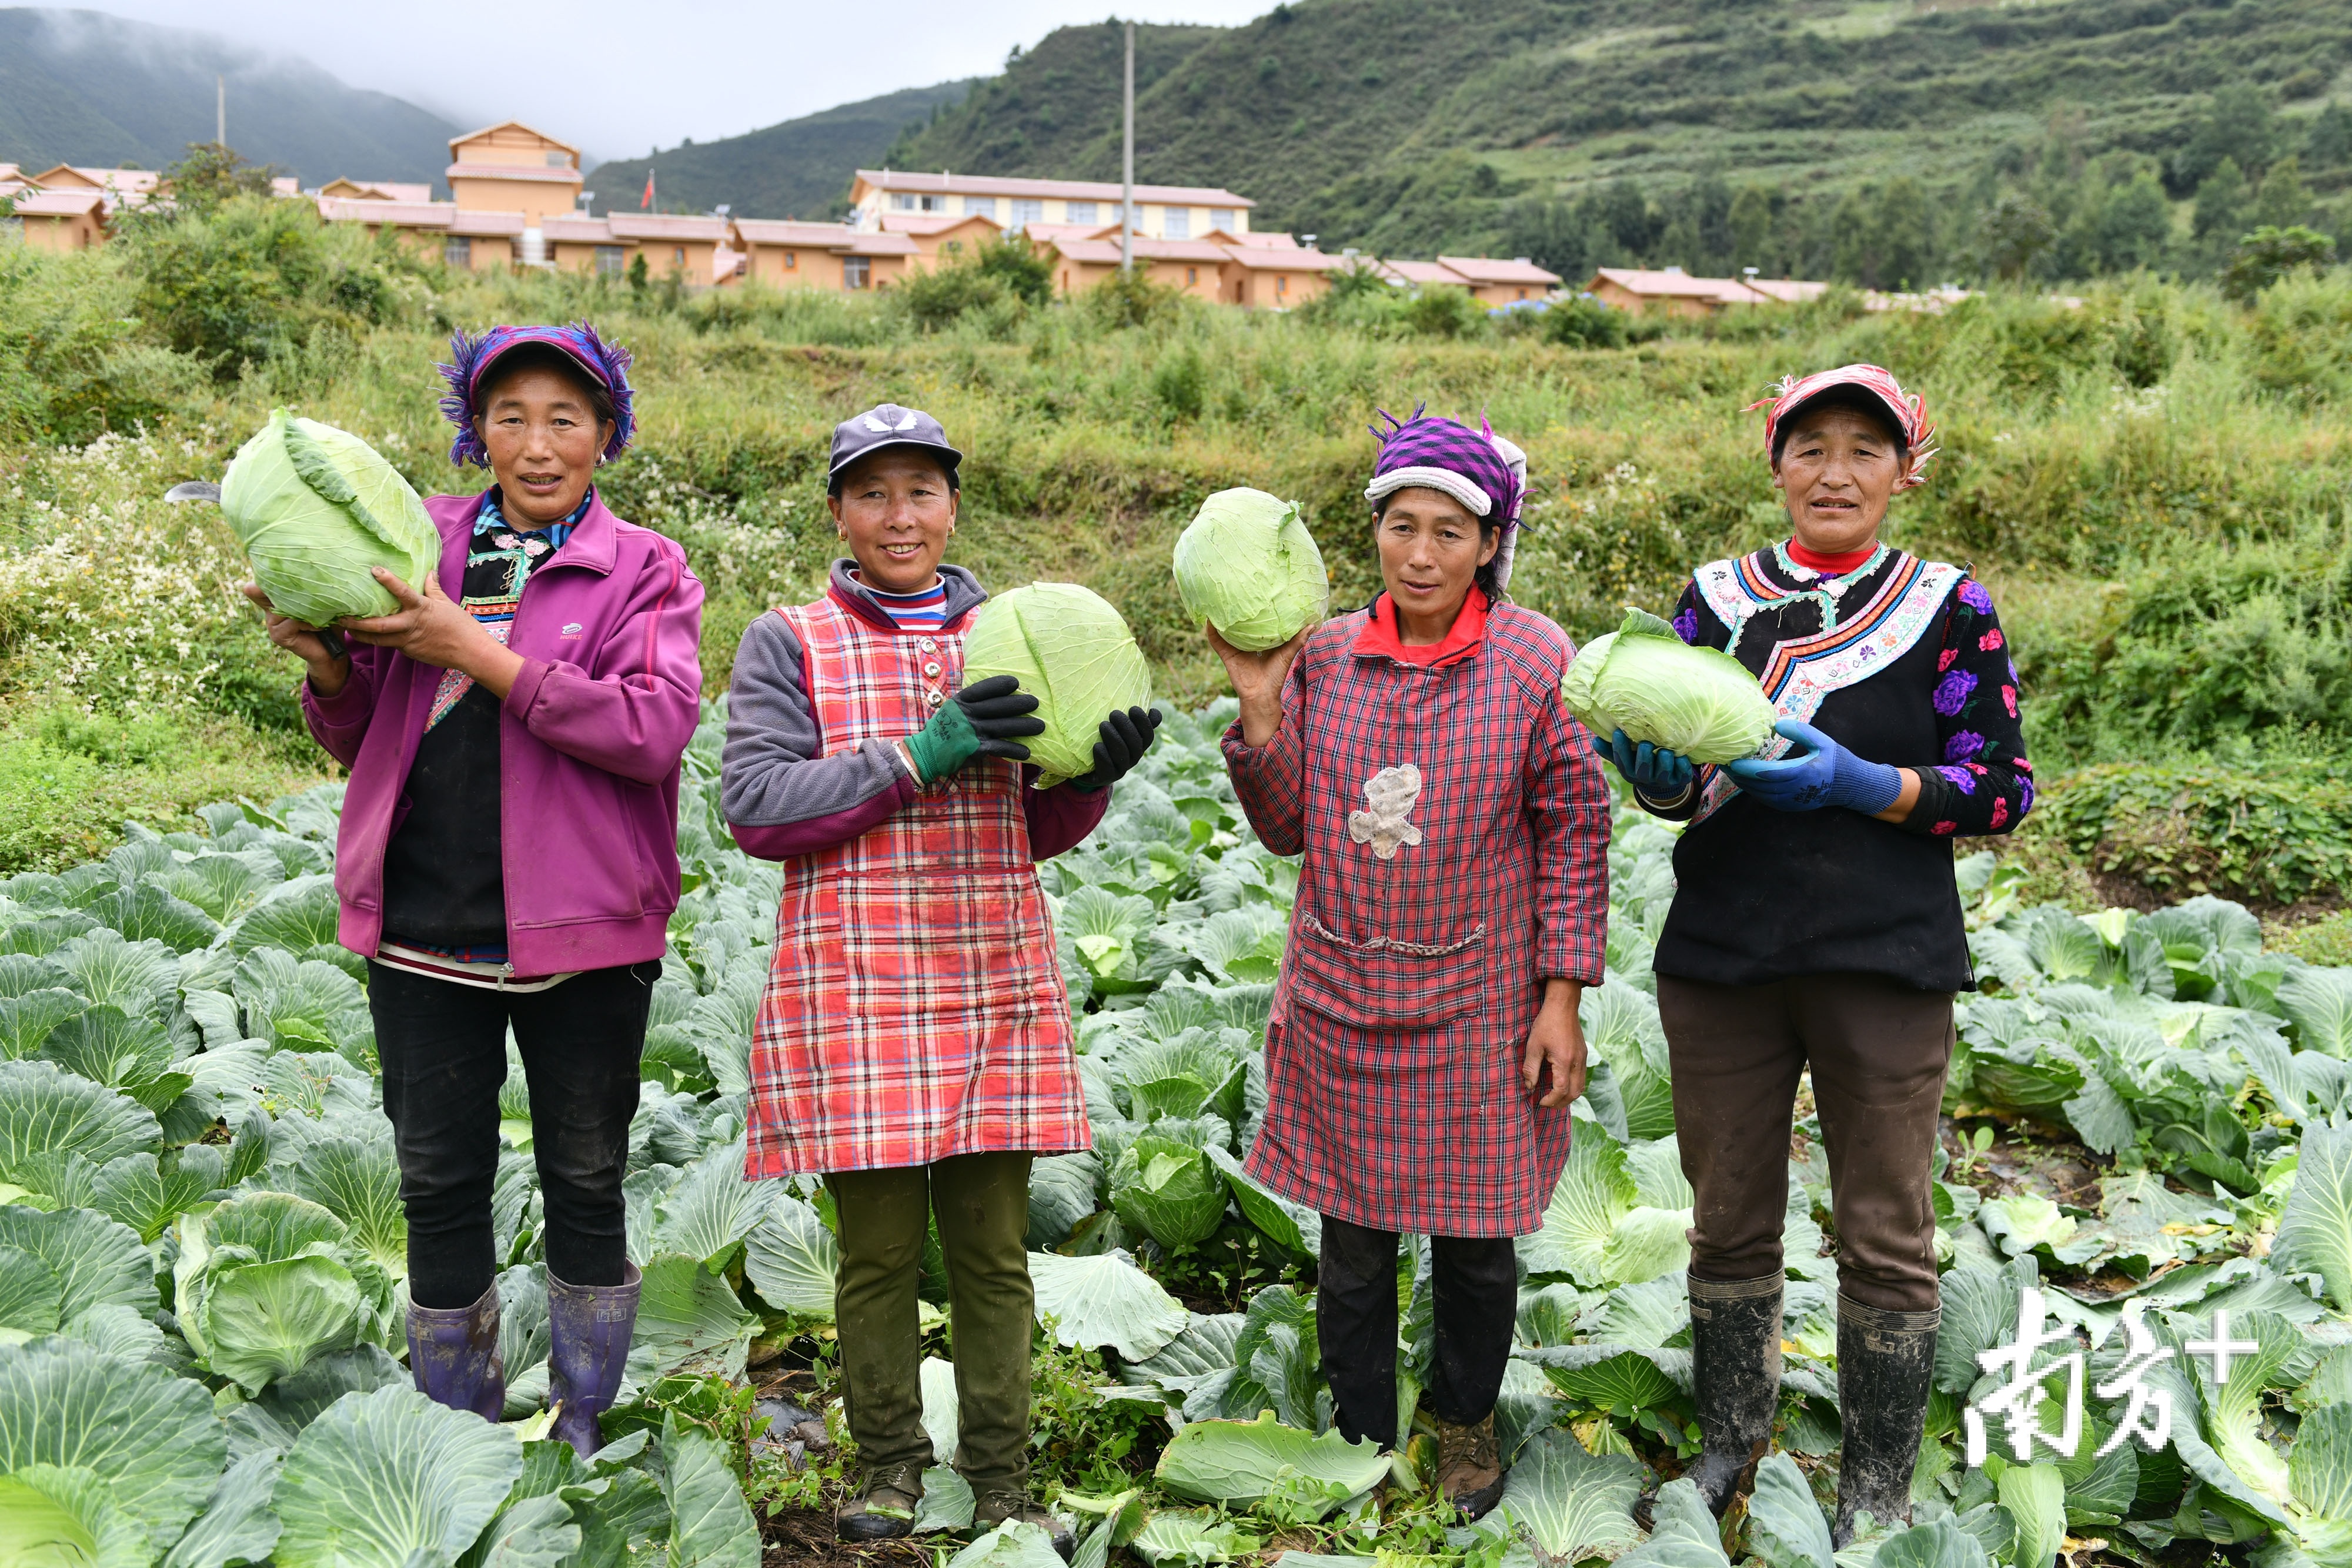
[(914, 1010)]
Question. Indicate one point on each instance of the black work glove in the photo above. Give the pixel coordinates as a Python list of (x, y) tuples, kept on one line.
[(984, 720), (1126, 736)]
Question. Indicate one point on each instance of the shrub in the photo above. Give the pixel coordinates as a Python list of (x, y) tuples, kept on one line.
[(1583, 322), (2155, 835), (1441, 310), (2269, 254), (71, 362)]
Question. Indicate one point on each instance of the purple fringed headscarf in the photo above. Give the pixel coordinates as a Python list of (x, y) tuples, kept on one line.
[(1477, 467), (607, 364)]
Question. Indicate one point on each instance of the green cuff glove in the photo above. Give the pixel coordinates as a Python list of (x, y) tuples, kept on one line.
[(984, 720)]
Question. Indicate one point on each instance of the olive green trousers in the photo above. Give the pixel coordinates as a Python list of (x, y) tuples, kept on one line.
[(982, 1205)]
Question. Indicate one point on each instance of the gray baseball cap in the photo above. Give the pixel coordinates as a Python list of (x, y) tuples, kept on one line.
[(888, 425)]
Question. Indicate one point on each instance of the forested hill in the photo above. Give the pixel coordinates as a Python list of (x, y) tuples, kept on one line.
[(1405, 124), (798, 169), (77, 87)]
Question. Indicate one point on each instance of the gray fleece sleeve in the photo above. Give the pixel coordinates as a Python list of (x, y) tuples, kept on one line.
[(773, 773)]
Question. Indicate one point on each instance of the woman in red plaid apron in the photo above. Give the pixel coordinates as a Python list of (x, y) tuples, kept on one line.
[(1452, 906), (913, 1041)]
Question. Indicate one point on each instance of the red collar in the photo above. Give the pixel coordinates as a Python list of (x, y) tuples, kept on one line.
[(1380, 637), (1823, 561)]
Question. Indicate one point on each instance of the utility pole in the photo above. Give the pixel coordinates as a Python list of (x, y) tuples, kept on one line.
[(1127, 173), (220, 111)]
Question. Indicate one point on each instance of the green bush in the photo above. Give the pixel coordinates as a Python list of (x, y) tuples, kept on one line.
[(72, 362), (2278, 836), (1441, 310), (2269, 254)]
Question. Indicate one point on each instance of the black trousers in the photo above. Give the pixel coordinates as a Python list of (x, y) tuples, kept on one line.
[(444, 1052), (1474, 1281)]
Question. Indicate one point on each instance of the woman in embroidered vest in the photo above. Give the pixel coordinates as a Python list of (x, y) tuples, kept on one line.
[(1815, 923), (508, 854), (914, 1044), (1452, 907)]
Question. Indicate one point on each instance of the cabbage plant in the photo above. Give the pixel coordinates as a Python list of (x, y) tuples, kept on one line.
[(316, 509), (1644, 680), (1071, 651), (1247, 566)]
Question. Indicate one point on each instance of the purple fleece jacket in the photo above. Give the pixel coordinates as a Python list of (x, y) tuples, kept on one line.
[(784, 798), (590, 739)]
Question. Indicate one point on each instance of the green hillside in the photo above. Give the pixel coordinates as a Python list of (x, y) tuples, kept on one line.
[(77, 87), (798, 169), (1603, 131)]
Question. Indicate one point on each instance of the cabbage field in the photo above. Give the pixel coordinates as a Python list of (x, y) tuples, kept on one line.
[(202, 1246)]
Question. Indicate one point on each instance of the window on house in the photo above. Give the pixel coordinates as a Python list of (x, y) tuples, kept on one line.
[(791, 260), (457, 250), (1191, 276), (1281, 287), (610, 259), (953, 248), (1079, 212), (856, 271), (678, 255), (902, 204), (980, 206), (559, 160), (1223, 218), (934, 204), (1175, 222), (1027, 213)]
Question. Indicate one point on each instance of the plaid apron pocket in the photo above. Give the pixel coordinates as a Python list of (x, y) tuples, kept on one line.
[(1384, 984)]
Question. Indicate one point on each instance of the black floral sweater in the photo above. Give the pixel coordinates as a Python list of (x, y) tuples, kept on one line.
[(1766, 894)]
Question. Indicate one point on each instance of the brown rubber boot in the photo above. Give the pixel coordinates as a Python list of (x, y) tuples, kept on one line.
[(884, 1509), (1470, 1466)]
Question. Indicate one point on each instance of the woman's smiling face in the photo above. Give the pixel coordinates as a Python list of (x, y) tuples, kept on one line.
[(1837, 471), (543, 439), (897, 509)]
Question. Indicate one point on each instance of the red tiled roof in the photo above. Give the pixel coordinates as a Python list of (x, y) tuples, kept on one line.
[(932, 223)]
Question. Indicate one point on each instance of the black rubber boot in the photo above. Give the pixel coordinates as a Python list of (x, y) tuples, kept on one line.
[(1886, 1362), (886, 1506), (1736, 1367)]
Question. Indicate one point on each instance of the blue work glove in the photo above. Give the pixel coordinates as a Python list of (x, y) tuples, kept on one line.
[(1820, 773), (1660, 774)]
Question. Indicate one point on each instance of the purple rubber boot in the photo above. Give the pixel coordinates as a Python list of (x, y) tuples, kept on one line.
[(453, 1353), (588, 1329)]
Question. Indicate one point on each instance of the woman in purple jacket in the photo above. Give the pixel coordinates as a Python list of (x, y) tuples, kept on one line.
[(507, 855)]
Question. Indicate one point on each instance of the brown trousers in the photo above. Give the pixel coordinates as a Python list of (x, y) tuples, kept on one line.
[(1878, 1050)]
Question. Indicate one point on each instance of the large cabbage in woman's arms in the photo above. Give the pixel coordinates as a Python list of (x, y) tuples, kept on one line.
[(317, 508), (1644, 680), (1247, 566), (1071, 650)]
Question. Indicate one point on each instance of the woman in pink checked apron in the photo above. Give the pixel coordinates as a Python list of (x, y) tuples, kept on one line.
[(914, 1043), (1452, 907)]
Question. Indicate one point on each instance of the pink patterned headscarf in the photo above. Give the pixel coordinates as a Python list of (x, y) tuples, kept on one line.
[(1909, 413)]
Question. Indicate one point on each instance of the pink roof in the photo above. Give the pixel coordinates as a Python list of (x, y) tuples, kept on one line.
[(803, 236), (1059, 189), (577, 229), (1418, 272), (463, 222), (932, 223), (1676, 285), (1487, 269), (882, 245), (1273, 258), (285, 185), (399, 214), (512, 172), (1263, 239), (1054, 234), (129, 181), (667, 226), (388, 191), (59, 204)]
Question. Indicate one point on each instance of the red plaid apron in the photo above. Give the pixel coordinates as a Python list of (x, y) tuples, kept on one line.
[(914, 1010), (1455, 828)]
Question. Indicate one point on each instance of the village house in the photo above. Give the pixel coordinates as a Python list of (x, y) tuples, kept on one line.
[(672, 243), (1673, 292), (1161, 212), (1491, 282), (786, 254)]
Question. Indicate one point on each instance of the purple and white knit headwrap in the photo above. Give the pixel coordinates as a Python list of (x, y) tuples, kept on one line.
[(1487, 474), (607, 364)]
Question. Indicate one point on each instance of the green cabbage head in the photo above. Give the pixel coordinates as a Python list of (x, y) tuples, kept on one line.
[(1247, 566), (1071, 651), (1649, 682), (317, 507)]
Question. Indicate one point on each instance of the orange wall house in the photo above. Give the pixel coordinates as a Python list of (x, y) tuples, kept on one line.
[(670, 243), (1501, 282), (1276, 276), (939, 240), (62, 220), (786, 254), (1675, 292), (474, 241), (510, 168), (1081, 261)]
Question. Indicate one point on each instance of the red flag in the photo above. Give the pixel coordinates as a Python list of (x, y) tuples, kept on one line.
[(645, 202)]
